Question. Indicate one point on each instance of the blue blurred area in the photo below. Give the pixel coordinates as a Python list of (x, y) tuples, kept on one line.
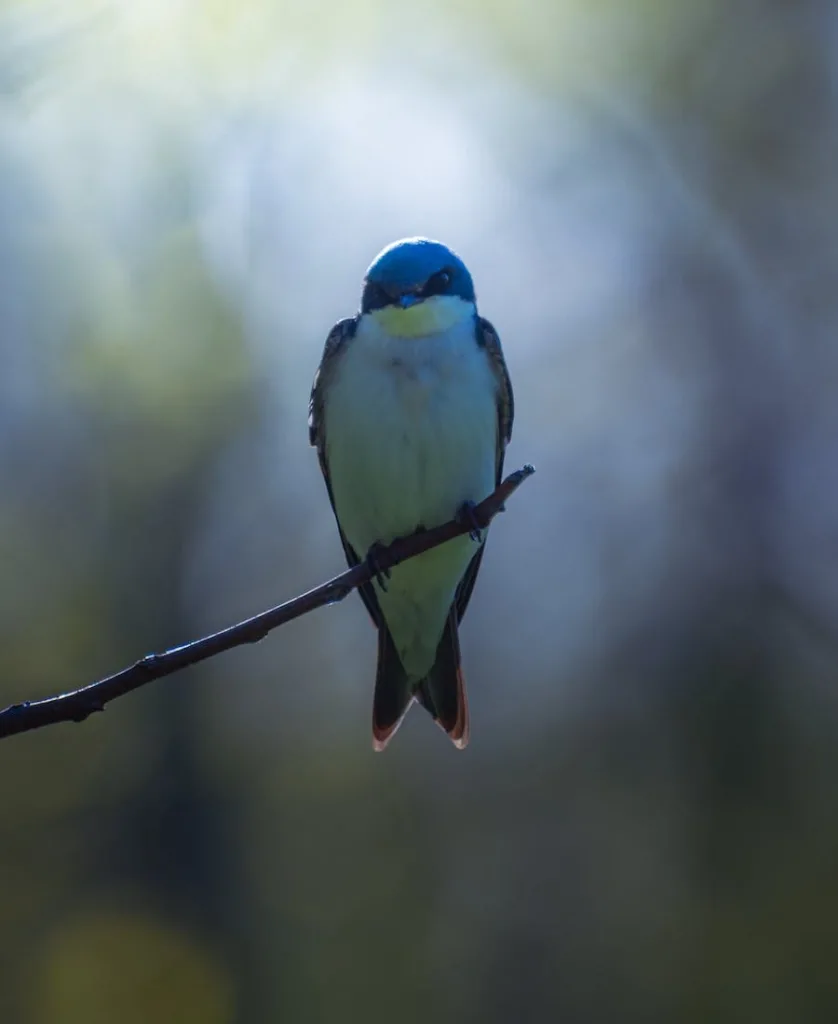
[(645, 826)]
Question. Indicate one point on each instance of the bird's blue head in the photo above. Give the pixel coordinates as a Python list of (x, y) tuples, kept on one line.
[(416, 286)]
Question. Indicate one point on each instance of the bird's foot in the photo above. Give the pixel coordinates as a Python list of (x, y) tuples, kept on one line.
[(467, 517), (374, 565)]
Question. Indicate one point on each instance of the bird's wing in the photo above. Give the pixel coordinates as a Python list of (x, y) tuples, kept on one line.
[(488, 339), (339, 337)]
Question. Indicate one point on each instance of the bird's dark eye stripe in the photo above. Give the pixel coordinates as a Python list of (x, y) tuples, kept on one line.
[(437, 283), (375, 297)]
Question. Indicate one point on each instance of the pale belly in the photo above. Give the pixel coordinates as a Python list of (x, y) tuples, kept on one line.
[(411, 434)]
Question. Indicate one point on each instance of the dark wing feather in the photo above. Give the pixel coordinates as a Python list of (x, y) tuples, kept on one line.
[(487, 338), (339, 337)]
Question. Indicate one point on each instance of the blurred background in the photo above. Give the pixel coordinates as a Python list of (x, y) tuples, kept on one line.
[(645, 826)]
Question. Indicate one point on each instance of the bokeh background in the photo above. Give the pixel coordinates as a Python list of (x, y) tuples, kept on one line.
[(645, 826)]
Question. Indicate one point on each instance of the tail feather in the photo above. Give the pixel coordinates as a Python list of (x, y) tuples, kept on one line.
[(393, 693), (442, 692)]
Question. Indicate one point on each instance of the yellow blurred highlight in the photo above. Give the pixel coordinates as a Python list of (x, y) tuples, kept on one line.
[(108, 968)]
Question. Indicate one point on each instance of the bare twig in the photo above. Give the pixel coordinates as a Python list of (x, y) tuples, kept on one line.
[(77, 705)]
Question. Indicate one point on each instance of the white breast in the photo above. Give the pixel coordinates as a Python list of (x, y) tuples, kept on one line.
[(411, 433)]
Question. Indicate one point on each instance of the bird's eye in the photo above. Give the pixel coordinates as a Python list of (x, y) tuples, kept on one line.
[(437, 283)]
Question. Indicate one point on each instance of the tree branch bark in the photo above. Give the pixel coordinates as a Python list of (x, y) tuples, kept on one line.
[(77, 705)]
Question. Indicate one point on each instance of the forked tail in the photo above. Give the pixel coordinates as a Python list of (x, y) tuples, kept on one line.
[(442, 692)]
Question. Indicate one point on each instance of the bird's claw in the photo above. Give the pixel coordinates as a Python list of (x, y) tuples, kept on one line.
[(379, 574), (466, 515)]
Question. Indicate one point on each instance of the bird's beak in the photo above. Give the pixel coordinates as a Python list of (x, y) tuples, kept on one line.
[(408, 299)]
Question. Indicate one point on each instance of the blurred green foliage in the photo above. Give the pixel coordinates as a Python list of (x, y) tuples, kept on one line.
[(121, 967)]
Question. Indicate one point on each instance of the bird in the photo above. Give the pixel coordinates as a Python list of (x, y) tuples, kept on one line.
[(410, 413)]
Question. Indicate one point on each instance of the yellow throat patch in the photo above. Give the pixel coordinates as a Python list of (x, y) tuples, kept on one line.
[(432, 316)]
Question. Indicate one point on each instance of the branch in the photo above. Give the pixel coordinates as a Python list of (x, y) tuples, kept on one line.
[(77, 705)]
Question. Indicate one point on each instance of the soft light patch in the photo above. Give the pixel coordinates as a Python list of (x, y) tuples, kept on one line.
[(432, 316)]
